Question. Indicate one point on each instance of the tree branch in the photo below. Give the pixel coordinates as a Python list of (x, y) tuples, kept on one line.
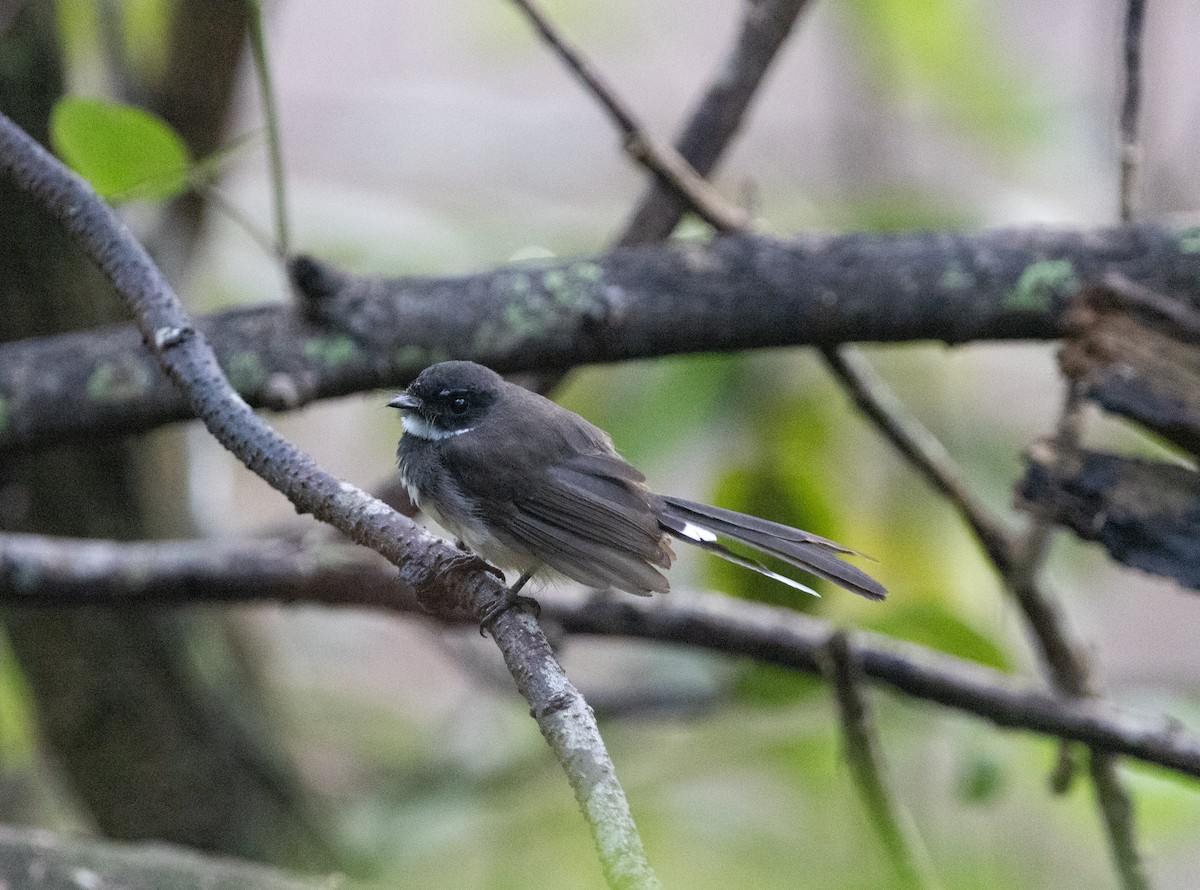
[(741, 292), (1131, 149), (920, 448), (659, 158), (892, 822), (38, 571), (432, 568), (712, 125)]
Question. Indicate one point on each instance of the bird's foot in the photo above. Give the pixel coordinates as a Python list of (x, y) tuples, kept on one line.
[(512, 599), (466, 561)]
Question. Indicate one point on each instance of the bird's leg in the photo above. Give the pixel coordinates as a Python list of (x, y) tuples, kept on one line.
[(513, 598), (515, 590)]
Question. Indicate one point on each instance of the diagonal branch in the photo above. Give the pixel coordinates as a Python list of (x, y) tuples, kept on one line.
[(658, 157), (714, 122), (433, 569), (921, 448)]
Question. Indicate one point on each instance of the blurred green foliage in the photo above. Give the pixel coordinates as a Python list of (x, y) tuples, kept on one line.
[(946, 50)]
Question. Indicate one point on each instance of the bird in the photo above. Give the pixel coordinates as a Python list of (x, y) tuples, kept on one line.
[(533, 487)]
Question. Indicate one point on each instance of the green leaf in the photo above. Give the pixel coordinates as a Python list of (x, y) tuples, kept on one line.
[(124, 152)]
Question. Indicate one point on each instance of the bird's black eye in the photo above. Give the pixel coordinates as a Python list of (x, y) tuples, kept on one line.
[(458, 405)]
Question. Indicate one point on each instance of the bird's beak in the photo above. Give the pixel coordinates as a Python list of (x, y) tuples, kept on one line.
[(406, 401)]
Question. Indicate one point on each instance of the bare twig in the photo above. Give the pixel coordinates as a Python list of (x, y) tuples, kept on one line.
[(262, 70), (713, 123), (1135, 17), (710, 129), (433, 569), (1113, 798), (1116, 806), (920, 447), (657, 156), (892, 822), (1067, 665), (37, 570)]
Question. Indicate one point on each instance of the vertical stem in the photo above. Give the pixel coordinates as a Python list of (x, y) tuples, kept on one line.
[(258, 48), (1135, 17), (892, 823)]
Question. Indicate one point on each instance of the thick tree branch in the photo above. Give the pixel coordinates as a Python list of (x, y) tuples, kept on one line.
[(433, 569), (740, 292), (38, 571)]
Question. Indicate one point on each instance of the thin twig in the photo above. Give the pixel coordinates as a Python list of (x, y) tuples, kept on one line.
[(262, 69), (892, 822), (1116, 805), (657, 156), (434, 570), (920, 447), (709, 130), (1113, 798), (1068, 666), (1135, 18), (714, 122), (37, 570)]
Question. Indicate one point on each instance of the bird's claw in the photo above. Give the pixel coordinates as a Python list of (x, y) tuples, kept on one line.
[(469, 562), (512, 600)]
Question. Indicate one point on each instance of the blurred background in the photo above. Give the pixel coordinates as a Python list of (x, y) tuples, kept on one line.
[(434, 138)]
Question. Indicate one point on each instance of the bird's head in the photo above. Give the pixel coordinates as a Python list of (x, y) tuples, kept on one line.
[(447, 399)]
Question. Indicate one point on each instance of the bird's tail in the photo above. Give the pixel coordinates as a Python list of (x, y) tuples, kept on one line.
[(701, 525)]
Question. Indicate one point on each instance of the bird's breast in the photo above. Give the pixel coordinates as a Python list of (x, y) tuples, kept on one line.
[(435, 490)]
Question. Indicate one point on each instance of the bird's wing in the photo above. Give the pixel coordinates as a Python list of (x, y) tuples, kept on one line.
[(569, 501), (591, 519)]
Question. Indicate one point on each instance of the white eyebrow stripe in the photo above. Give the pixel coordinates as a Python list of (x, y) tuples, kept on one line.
[(422, 429)]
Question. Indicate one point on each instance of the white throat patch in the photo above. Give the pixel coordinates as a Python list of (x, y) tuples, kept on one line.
[(415, 425)]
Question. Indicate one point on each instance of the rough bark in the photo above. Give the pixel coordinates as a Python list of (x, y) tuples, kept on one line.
[(363, 333)]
